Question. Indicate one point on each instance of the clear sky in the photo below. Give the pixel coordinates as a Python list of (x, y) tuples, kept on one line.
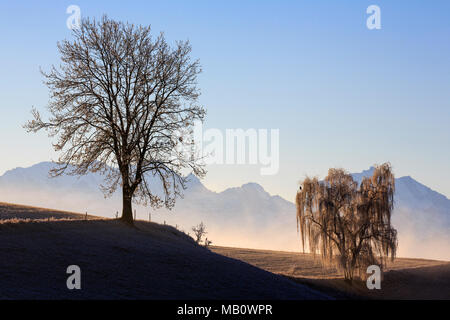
[(340, 94)]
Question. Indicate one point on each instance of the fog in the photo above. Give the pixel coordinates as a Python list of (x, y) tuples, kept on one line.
[(419, 237)]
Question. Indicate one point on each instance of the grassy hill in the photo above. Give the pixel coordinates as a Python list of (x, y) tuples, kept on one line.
[(404, 278), (149, 261), (20, 212), (153, 261)]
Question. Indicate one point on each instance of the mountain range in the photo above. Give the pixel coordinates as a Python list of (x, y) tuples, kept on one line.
[(245, 216)]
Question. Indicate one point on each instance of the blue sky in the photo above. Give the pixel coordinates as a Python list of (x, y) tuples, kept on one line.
[(340, 94)]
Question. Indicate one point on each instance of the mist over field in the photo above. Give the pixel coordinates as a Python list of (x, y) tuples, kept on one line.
[(246, 216)]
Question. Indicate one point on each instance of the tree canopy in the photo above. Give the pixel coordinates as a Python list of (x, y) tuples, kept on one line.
[(123, 103), (346, 223)]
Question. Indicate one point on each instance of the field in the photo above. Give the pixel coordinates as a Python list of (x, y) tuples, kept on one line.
[(148, 261), (12, 211), (152, 261), (403, 279)]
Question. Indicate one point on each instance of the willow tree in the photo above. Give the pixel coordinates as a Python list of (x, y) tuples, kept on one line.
[(346, 223), (121, 103)]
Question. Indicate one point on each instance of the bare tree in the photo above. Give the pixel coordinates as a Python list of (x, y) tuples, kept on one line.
[(207, 243), (347, 224), (199, 232), (122, 103)]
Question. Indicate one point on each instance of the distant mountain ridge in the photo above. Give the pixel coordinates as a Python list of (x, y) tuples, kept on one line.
[(245, 216), (412, 192)]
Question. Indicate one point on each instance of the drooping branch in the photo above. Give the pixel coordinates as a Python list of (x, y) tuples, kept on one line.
[(348, 223)]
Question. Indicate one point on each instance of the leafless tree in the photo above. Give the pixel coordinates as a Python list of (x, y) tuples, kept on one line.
[(199, 232), (122, 103), (207, 243), (347, 223)]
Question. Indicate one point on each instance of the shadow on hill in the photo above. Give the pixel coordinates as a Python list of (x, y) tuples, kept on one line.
[(150, 261), (423, 283)]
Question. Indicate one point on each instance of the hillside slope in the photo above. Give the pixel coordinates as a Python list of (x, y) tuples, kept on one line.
[(20, 212), (402, 279), (150, 261)]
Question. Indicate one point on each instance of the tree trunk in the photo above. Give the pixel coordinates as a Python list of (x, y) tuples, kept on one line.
[(127, 211)]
